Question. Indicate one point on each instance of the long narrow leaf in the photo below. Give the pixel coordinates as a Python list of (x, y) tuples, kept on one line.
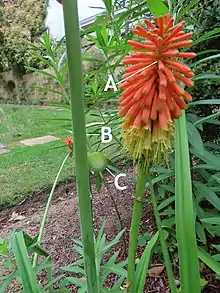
[(206, 36), (209, 261), (206, 76), (205, 102), (185, 219), (28, 278), (187, 8), (207, 118), (206, 59), (143, 265), (157, 7)]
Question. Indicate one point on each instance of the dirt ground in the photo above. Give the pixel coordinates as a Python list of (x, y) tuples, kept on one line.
[(63, 225)]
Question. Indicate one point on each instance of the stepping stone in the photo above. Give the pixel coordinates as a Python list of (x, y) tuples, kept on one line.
[(38, 140), (4, 151)]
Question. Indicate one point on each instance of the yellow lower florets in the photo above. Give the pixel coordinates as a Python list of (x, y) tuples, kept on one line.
[(149, 146)]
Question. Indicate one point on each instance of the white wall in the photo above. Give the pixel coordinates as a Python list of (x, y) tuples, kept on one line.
[(54, 19)]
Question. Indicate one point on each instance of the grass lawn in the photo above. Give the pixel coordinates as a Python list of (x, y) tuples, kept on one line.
[(28, 169)]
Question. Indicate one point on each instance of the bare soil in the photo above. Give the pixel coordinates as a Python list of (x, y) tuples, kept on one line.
[(63, 225)]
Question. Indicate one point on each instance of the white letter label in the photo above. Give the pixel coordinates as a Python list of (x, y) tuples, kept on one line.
[(108, 84), (106, 131), (116, 182)]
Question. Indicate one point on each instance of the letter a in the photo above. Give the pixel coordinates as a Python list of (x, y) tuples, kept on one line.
[(110, 84)]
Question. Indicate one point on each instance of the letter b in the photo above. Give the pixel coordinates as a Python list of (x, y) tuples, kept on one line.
[(106, 132)]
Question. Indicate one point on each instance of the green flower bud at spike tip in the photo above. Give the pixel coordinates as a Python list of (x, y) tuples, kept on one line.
[(97, 161)]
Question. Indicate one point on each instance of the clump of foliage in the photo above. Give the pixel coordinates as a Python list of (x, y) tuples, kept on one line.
[(20, 21), (205, 17)]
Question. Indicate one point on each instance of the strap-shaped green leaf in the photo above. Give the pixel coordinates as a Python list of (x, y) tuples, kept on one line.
[(185, 218), (26, 272), (157, 7), (143, 265), (209, 261)]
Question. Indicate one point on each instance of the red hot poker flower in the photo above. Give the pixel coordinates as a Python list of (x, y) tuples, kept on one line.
[(68, 141), (152, 97)]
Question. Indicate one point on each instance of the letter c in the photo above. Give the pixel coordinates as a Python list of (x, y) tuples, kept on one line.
[(116, 182)]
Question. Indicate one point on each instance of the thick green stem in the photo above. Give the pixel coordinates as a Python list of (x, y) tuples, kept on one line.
[(44, 219), (135, 224), (162, 240), (79, 133)]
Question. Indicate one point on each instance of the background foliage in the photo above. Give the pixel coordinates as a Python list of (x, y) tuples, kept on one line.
[(205, 17), (20, 21)]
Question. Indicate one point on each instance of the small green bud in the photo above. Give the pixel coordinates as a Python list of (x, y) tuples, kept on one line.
[(97, 161)]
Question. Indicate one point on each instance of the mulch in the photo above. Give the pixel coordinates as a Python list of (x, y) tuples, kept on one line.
[(63, 226)]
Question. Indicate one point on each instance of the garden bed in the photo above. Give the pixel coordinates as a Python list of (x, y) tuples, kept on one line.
[(63, 226)]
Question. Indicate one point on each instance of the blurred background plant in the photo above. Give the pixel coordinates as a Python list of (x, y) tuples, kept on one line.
[(19, 23)]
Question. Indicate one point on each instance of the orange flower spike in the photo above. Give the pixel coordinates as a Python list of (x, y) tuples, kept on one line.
[(166, 18), (145, 115), (169, 74), (152, 97), (138, 95), (176, 27), (122, 112), (140, 31), (189, 74), (182, 44), (138, 119), (130, 60), (169, 25), (176, 88), (159, 22), (180, 103), (162, 93), (174, 33), (188, 55), (147, 86), (149, 24), (175, 65), (188, 82), (162, 79), (140, 46), (162, 120), (132, 69), (147, 71), (160, 65), (153, 114), (171, 53), (68, 140), (187, 97), (153, 38), (133, 111), (182, 37), (148, 98)]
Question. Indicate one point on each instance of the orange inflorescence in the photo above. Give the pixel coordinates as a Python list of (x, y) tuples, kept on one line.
[(68, 141), (152, 97)]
